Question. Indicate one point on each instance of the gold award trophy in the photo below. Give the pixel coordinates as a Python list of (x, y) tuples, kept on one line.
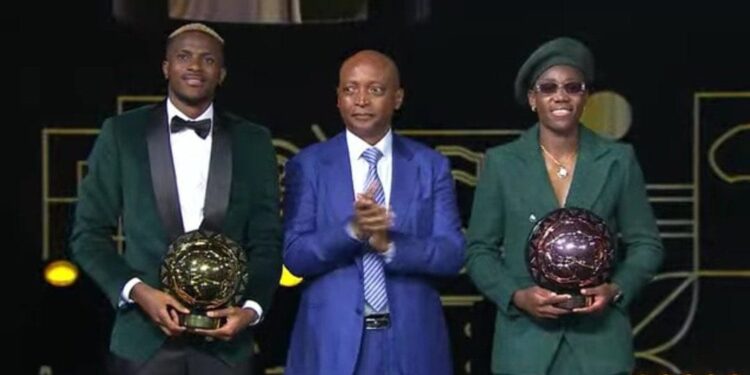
[(204, 271)]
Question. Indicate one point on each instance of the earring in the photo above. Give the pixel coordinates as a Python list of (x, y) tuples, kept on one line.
[(533, 108)]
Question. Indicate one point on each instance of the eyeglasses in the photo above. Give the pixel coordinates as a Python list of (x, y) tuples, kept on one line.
[(570, 88)]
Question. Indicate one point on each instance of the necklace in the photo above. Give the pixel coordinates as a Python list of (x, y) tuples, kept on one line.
[(562, 171)]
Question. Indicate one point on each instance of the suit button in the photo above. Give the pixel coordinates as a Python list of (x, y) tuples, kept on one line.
[(358, 310)]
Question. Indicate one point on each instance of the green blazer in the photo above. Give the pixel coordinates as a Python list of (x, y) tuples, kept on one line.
[(131, 176), (514, 192)]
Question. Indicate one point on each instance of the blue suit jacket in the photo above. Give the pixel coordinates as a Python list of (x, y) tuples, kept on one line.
[(427, 235)]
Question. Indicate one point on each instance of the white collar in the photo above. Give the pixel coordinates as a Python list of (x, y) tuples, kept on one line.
[(357, 145), (173, 111)]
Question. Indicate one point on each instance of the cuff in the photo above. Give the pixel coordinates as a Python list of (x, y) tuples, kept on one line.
[(390, 253), (252, 305), (349, 228), (125, 294)]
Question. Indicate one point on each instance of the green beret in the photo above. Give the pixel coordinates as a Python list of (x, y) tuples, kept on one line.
[(560, 51)]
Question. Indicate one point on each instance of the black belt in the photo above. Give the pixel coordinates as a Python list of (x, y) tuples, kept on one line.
[(377, 321)]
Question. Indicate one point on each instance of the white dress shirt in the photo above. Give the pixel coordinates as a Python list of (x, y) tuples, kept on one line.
[(191, 156), (360, 166)]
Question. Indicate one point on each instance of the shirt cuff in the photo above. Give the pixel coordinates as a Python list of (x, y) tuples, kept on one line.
[(390, 253), (349, 228), (252, 305), (125, 295), (387, 255)]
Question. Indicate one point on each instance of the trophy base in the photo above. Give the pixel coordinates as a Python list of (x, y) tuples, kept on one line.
[(576, 301), (196, 321)]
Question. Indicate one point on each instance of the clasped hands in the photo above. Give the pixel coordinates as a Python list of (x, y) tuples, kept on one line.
[(371, 222)]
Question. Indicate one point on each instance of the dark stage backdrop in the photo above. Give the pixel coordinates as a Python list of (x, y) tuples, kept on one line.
[(679, 79)]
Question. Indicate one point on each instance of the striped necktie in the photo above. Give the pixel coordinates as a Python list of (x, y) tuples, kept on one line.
[(372, 263)]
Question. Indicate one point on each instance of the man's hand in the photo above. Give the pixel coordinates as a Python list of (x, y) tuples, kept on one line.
[(370, 218), (237, 319), (379, 241), (601, 294), (160, 307), (540, 302)]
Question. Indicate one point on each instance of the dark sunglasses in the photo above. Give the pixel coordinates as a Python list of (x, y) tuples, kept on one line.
[(570, 88)]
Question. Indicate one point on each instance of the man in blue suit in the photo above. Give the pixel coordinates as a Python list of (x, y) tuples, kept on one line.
[(370, 220)]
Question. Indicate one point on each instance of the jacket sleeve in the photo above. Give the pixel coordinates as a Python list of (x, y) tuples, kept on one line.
[(485, 235), (263, 238), (643, 248), (310, 250), (97, 212)]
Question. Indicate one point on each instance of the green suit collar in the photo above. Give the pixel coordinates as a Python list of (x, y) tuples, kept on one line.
[(590, 174)]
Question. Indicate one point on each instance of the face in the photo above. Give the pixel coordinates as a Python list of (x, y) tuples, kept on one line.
[(368, 94), (559, 97), (194, 67)]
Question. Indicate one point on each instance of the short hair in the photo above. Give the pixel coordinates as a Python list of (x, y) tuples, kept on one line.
[(196, 27)]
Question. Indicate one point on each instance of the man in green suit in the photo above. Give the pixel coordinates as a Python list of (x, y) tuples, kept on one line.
[(164, 170), (559, 163)]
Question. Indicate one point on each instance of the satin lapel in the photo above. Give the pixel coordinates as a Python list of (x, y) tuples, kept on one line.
[(162, 172), (404, 181), (591, 171), (219, 183)]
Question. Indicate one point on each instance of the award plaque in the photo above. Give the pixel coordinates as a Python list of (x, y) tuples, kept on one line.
[(204, 271), (570, 249)]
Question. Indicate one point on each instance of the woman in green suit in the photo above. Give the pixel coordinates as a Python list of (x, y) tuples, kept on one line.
[(559, 163)]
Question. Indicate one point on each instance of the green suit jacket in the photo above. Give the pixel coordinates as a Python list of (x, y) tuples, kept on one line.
[(130, 175), (514, 192)]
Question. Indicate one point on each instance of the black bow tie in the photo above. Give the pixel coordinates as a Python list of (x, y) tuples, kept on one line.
[(202, 127)]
